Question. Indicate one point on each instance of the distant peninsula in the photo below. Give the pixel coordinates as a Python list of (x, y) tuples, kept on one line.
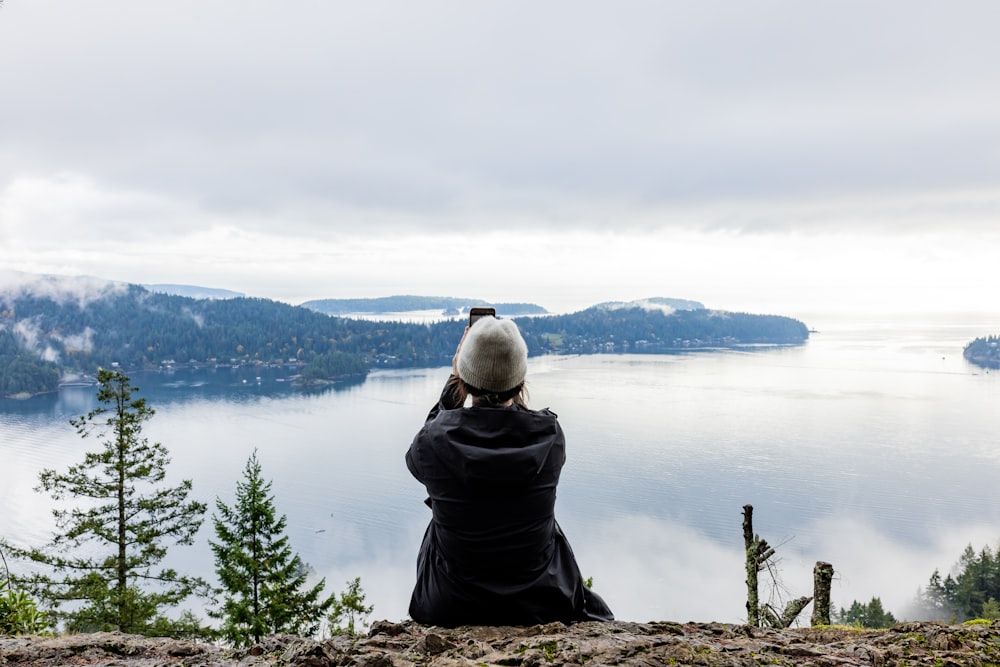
[(984, 352), (61, 331), (449, 306), (194, 291)]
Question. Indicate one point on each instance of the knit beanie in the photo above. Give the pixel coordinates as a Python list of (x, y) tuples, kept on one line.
[(494, 356)]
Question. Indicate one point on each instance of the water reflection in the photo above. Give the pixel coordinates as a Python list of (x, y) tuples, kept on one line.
[(871, 447)]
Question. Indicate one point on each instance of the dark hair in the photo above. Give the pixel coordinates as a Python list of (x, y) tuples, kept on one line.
[(483, 397)]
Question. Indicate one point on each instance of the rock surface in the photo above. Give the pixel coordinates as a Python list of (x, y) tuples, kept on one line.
[(617, 643)]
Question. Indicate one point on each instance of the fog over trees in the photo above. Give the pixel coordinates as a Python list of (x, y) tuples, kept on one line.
[(44, 338)]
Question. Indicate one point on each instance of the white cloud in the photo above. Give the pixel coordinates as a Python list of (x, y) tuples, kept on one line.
[(335, 107), (654, 569), (732, 155), (869, 563), (649, 569), (60, 288), (81, 342), (28, 332)]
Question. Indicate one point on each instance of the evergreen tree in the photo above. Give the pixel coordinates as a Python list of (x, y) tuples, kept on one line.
[(933, 601), (991, 610), (972, 591), (349, 613), (263, 583), (103, 562), (871, 615)]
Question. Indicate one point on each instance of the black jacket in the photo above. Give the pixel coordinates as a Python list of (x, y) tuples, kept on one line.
[(493, 553)]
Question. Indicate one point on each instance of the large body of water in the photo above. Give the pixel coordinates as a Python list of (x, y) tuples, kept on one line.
[(874, 447)]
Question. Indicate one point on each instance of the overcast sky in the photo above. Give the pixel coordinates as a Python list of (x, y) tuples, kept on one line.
[(787, 156)]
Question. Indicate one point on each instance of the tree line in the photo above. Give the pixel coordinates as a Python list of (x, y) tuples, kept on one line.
[(42, 340), (22, 371), (970, 591), (973, 591), (103, 567)]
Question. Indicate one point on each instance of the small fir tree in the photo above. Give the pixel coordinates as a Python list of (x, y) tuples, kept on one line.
[(263, 582), (103, 562), (349, 614)]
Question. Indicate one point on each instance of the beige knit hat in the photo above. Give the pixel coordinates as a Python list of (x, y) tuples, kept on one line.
[(494, 356)]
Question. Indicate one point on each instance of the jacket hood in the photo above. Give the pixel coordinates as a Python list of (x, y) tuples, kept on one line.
[(511, 445)]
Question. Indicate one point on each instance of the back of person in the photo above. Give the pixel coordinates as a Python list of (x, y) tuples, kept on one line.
[(493, 553)]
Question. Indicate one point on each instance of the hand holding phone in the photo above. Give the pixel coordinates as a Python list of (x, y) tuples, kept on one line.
[(477, 312)]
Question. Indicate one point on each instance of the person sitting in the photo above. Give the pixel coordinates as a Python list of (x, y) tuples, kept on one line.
[(493, 553)]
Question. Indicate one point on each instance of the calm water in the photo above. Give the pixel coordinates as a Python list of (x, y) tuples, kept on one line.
[(873, 447)]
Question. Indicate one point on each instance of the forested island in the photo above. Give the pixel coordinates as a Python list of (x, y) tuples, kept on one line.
[(47, 337), (984, 352)]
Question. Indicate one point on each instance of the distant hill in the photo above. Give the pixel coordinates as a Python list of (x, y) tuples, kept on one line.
[(57, 327), (644, 330), (408, 303), (194, 291)]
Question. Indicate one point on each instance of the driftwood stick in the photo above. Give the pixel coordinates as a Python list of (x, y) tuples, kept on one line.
[(822, 576), (792, 609), (753, 565), (768, 617)]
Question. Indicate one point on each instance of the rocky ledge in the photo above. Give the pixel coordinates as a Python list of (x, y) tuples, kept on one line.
[(618, 643)]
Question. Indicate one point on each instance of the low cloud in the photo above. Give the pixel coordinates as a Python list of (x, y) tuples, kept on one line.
[(645, 304), (197, 318), (81, 342), (650, 569), (62, 289), (29, 334), (869, 563), (656, 569)]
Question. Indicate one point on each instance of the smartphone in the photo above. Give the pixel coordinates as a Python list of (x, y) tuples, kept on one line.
[(476, 312)]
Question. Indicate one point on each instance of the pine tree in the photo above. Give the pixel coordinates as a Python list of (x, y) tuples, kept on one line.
[(349, 612), (971, 592), (263, 583), (103, 561)]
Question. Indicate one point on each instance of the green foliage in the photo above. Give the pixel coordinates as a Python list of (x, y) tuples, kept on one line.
[(101, 566), (970, 592), (19, 614), (549, 650), (263, 582), (978, 621), (991, 610), (349, 614), (870, 615)]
